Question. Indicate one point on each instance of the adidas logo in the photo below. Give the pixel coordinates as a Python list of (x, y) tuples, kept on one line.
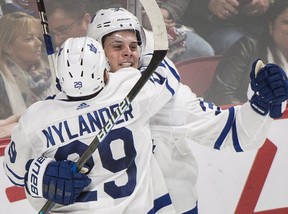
[(82, 105)]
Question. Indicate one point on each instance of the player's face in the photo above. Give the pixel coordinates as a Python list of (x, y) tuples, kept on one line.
[(63, 27), (279, 32), (26, 49), (122, 50)]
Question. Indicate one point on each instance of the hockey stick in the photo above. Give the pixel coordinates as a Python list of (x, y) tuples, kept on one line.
[(160, 51), (47, 37)]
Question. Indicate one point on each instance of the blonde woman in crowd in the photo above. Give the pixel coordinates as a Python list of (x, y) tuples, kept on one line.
[(24, 76)]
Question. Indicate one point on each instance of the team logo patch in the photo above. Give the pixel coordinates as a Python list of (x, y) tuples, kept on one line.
[(92, 48), (82, 106)]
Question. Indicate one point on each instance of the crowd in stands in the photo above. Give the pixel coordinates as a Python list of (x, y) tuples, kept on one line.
[(184, 42), (240, 31), (24, 74), (233, 72), (223, 22)]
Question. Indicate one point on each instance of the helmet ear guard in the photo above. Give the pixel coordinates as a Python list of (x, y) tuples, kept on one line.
[(81, 64)]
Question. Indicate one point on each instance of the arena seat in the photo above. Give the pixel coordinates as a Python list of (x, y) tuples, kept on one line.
[(198, 73)]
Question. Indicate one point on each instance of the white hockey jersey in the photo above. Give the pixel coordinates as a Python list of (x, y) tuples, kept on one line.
[(187, 119), (125, 175)]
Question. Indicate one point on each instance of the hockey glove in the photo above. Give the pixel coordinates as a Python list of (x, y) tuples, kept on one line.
[(57, 181), (268, 90)]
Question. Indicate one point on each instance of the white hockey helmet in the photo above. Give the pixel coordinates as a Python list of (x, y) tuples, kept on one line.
[(111, 20), (81, 64)]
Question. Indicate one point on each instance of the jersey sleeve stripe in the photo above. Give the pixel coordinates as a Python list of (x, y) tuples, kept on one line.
[(170, 88), (18, 180), (226, 129), (236, 143), (160, 202), (173, 71)]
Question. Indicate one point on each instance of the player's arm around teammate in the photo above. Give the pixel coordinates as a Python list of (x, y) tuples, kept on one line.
[(43, 150)]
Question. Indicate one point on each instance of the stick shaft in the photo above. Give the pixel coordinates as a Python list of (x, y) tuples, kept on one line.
[(47, 37)]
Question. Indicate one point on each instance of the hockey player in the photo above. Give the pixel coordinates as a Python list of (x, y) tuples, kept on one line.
[(122, 176), (187, 118)]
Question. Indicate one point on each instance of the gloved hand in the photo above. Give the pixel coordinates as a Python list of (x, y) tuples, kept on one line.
[(268, 90), (57, 181)]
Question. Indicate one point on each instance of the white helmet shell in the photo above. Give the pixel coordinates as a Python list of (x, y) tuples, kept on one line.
[(114, 19), (81, 64)]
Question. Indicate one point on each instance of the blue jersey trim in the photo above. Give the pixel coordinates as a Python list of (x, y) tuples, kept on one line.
[(51, 97), (87, 196), (159, 203), (158, 78), (15, 175), (226, 129), (173, 71), (172, 91), (165, 65), (236, 143), (21, 179), (17, 184)]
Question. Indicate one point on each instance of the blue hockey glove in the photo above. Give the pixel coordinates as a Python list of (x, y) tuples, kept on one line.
[(268, 91), (57, 181)]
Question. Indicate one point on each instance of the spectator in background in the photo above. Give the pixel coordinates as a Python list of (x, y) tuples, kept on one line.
[(105, 4), (24, 77), (223, 22), (232, 76), (25, 6), (68, 18), (184, 43)]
